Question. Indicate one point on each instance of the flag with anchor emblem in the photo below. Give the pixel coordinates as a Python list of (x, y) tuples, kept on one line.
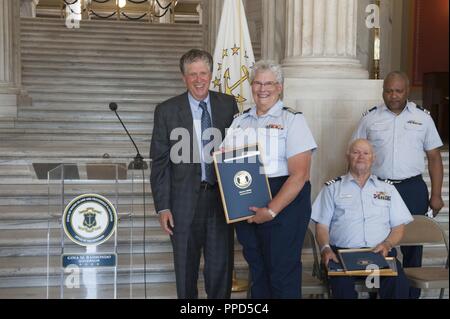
[(233, 55)]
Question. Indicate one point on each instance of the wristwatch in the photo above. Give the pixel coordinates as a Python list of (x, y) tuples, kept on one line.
[(324, 247), (271, 212)]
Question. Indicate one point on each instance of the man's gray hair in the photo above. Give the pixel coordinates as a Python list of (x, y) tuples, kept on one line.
[(195, 55), (267, 65)]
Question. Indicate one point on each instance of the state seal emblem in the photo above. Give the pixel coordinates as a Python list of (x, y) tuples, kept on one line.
[(242, 179), (89, 220)]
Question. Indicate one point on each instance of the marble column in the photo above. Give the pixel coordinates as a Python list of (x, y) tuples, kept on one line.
[(325, 80), (10, 69), (321, 39), (273, 30), (212, 10), (28, 8)]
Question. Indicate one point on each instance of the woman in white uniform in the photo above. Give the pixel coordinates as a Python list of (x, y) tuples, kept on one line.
[(272, 239)]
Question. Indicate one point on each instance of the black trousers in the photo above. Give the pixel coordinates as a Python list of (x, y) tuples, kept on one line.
[(209, 233), (273, 249), (414, 192)]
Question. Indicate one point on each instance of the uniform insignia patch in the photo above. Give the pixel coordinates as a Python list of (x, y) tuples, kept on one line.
[(423, 110), (275, 126), (331, 182), (387, 181), (241, 113), (291, 110), (371, 110), (382, 196)]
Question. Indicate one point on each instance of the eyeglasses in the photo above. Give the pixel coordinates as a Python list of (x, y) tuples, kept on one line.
[(268, 85)]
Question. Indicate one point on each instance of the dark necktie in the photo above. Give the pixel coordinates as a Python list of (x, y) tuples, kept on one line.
[(206, 124)]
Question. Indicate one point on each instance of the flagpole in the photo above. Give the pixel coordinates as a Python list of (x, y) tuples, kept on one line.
[(233, 59)]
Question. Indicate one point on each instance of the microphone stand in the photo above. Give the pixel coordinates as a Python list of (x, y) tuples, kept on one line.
[(137, 163)]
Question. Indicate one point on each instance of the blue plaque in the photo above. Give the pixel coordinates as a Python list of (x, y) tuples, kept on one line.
[(89, 260), (242, 182)]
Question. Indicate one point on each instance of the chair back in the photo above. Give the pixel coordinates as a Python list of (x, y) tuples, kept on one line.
[(424, 230)]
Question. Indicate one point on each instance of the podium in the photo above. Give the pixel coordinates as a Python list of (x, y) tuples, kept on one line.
[(94, 212)]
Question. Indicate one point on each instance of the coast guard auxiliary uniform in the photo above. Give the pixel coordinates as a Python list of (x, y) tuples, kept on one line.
[(362, 217), (399, 143), (273, 249)]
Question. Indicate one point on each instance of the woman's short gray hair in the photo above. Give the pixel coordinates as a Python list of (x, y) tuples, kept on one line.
[(267, 65)]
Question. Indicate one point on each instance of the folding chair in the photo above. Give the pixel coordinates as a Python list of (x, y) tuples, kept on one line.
[(424, 230)]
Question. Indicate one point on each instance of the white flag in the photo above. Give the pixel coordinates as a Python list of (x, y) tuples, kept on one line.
[(233, 56)]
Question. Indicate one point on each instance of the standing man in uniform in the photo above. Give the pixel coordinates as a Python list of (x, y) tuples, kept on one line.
[(401, 133), (358, 210), (183, 181), (272, 240)]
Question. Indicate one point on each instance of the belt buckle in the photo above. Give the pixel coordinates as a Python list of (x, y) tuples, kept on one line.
[(204, 186)]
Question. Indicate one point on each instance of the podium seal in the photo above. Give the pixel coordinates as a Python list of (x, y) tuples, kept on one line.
[(89, 220)]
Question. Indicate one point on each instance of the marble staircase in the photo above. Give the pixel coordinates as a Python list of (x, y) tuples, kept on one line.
[(72, 76)]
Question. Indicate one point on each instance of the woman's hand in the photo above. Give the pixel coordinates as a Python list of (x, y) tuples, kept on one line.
[(262, 215)]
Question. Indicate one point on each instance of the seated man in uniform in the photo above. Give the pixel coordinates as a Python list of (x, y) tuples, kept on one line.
[(358, 210)]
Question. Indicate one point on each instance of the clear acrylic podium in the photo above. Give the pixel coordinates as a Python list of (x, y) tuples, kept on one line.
[(100, 265)]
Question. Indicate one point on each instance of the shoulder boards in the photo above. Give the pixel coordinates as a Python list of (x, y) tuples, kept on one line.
[(371, 110), (337, 179), (387, 181), (240, 113), (291, 110), (423, 109)]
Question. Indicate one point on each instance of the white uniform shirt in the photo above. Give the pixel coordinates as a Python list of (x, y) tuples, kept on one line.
[(359, 217), (281, 133), (399, 141)]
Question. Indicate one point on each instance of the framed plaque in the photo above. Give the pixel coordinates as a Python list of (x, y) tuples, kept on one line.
[(242, 182), (362, 262)]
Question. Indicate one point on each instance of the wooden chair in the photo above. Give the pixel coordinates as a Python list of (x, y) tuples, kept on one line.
[(424, 230)]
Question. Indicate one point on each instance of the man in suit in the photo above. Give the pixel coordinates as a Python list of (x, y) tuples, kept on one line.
[(183, 180)]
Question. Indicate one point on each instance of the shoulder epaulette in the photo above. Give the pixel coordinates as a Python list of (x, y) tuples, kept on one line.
[(371, 110), (387, 181), (291, 110), (423, 109), (337, 179), (240, 113)]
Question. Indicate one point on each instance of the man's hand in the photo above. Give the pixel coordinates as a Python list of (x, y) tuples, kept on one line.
[(262, 215), (384, 247), (436, 204), (327, 255), (166, 222)]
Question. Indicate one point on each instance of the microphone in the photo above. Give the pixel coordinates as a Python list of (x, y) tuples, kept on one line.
[(138, 161)]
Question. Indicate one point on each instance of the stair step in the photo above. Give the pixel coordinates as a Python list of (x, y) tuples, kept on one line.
[(84, 116), (105, 25), (164, 290), (92, 40)]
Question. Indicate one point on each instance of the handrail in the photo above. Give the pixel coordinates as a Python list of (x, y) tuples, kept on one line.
[(153, 11)]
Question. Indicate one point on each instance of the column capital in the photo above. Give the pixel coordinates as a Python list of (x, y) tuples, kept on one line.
[(10, 68), (321, 40)]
